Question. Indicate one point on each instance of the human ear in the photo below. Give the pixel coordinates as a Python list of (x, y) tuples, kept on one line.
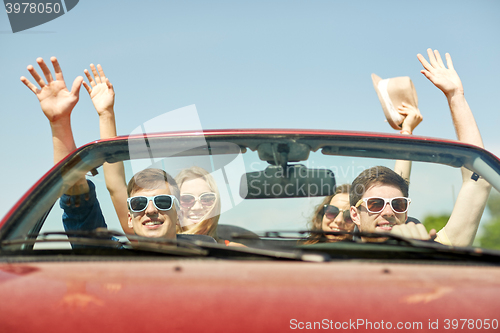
[(355, 215), (129, 216)]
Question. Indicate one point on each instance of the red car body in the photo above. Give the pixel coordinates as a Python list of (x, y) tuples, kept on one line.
[(241, 296)]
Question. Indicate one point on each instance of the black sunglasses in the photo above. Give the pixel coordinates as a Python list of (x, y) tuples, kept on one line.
[(331, 212)]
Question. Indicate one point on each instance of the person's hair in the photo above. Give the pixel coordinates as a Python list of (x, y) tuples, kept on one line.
[(152, 179), (208, 225), (316, 222), (375, 175)]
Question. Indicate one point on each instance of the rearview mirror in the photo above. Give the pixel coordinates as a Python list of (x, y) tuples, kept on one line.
[(291, 181)]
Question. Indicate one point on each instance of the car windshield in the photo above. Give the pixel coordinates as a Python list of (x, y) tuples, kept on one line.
[(265, 189)]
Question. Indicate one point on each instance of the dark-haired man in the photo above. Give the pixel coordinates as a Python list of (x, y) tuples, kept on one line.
[(379, 203), (379, 197)]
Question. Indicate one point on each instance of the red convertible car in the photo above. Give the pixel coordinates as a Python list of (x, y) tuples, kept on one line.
[(269, 262)]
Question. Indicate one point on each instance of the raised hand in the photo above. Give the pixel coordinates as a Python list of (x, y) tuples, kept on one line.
[(103, 96), (100, 90), (446, 79), (412, 118), (57, 104), (55, 99)]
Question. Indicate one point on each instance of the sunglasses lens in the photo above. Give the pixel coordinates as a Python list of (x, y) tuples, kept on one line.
[(138, 204), (375, 205), (163, 202), (207, 199), (399, 205), (331, 212), (347, 216), (187, 200)]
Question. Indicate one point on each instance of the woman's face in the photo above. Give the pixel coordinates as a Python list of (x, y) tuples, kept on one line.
[(338, 223), (197, 199)]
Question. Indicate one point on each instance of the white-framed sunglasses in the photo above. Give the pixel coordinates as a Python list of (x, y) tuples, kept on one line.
[(377, 204), (161, 202)]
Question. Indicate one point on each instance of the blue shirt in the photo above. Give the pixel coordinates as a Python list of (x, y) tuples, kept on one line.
[(82, 212)]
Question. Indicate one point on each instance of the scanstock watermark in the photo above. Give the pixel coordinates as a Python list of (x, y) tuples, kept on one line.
[(26, 14)]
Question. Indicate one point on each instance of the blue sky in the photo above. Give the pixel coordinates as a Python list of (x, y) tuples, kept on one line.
[(246, 64)]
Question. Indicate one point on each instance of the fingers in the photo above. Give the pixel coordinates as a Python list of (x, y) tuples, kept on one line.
[(448, 61), (38, 79), (411, 230), (101, 73), (427, 74), (402, 111), (406, 106), (89, 77), (421, 232), (45, 70), (424, 62), (87, 87), (438, 58), (435, 60), (406, 109), (99, 76), (110, 86), (57, 69), (432, 59), (401, 230), (28, 84), (75, 89), (433, 234), (96, 76)]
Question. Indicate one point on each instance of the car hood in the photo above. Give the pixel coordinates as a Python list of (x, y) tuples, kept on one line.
[(213, 296)]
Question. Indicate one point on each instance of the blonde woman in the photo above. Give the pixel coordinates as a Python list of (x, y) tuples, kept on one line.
[(199, 202)]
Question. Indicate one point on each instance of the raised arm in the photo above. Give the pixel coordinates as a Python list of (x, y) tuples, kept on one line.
[(412, 119), (103, 97), (462, 226), (57, 103)]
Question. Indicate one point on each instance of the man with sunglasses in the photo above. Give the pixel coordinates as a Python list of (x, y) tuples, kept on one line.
[(379, 203), (379, 197), (153, 204), (153, 194)]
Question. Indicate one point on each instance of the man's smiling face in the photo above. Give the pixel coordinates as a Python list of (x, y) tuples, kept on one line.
[(153, 222), (382, 221)]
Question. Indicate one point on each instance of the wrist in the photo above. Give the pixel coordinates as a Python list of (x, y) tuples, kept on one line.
[(107, 125), (60, 122), (406, 129), (459, 92), (106, 112)]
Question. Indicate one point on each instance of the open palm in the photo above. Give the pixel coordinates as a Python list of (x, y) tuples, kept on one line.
[(55, 98), (100, 90), (446, 79)]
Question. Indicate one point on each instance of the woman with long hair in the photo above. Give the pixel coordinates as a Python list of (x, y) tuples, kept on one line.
[(331, 215), (200, 204)]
